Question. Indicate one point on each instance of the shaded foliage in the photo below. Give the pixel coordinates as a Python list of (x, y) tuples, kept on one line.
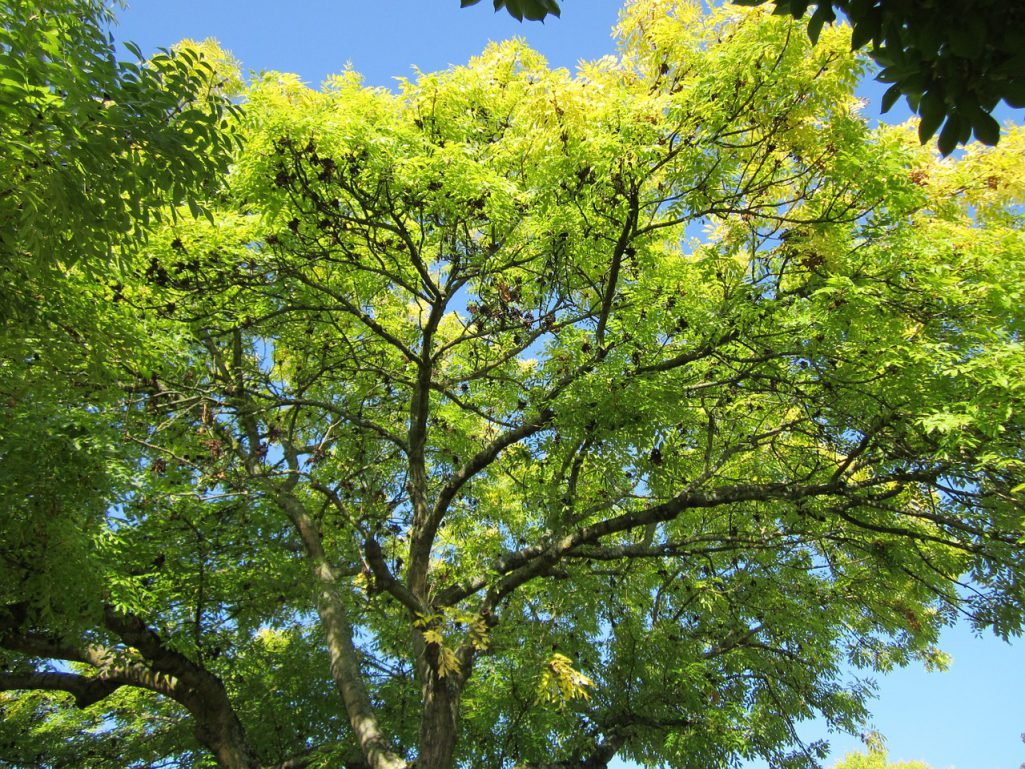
[(954, 61)]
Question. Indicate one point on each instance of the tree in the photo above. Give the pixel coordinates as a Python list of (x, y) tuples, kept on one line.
[(954, 60), (453, 445), (92, 150)]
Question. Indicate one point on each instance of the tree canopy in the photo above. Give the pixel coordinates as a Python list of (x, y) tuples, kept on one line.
[(92, 151), (92, 147), (876, 758), (953, 60), (521, 418)]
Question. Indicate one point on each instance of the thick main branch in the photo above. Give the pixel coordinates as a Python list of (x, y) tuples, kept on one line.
[(345, 668)]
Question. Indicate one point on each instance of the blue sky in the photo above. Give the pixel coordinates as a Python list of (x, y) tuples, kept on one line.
[(969, 717)]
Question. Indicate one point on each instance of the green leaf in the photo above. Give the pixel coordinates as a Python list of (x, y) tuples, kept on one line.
[(815, 28), (1013, 92), (964, 124), (534, 10), (552, 7), (985, 127), (895, 73), (932, 110), (890, 97), (970, 38), (857, 9), (882, 57), (798, 7), (823, 15), (515, 8), (1012, 67), (866, 29), (928, 38), (949, 136)]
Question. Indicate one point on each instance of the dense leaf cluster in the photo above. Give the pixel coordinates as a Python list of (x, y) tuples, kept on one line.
[(93, 152), (93, 147), (535, 10), (876, 758), (953, 60)]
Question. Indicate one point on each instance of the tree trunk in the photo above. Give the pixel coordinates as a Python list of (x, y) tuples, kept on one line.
[(345, 667), (439, 722), (348, 679), (223, 735)]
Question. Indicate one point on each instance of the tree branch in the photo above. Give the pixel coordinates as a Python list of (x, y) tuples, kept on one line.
[(609, 295), (85, 689), (519, 567), (423, 529), (387, 581), (481, 460), (217, 726), (345, 667)]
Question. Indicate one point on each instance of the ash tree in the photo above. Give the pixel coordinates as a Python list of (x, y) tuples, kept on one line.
[(521, 418)]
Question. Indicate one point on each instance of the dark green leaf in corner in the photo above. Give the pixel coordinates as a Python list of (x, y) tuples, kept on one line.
[(949, 136), (534, 10), (932, 111), (985, 127), (1014, 94), (552, 7), (798, 7), (866, 30), (823, 14), (890, 97)]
